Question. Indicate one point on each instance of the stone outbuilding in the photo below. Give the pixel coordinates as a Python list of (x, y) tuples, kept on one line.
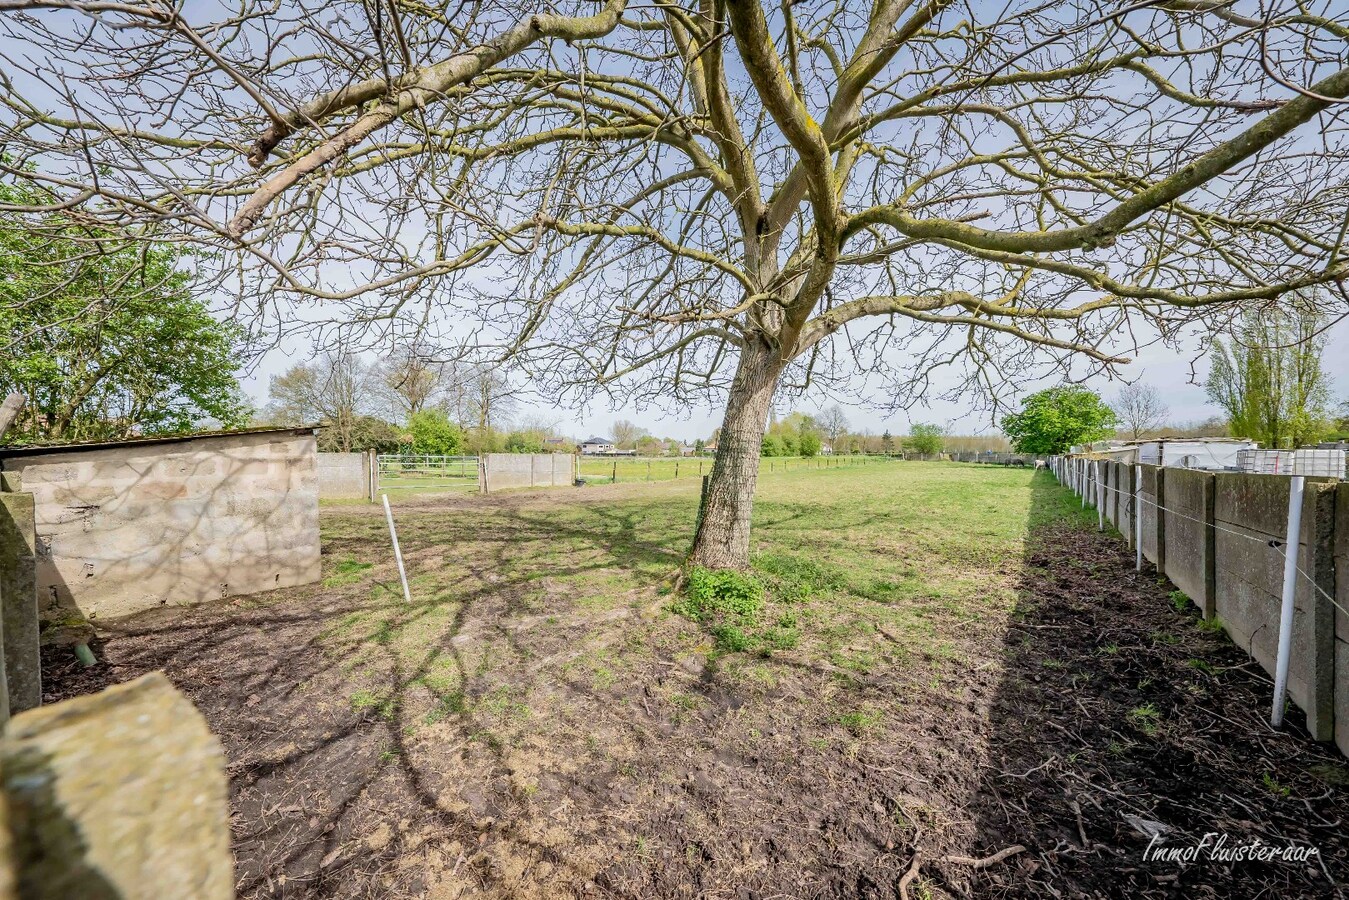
[(124, 526)]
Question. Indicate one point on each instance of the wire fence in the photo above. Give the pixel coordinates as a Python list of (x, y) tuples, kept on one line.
[(430, 473)]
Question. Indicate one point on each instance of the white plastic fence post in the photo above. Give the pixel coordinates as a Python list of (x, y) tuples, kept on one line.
[(1289, 589), (1100, 497), (1085, 471), (1138, 518), (397, 552)]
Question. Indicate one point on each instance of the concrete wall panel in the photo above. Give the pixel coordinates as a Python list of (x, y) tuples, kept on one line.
[(1124, 500), (1153, 546), (1189, 535), (344, 476), (1250, 511), (510, 471), (125, 528)]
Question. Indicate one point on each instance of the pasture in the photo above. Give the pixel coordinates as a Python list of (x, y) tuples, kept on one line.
[(628, 469), (940, 658)]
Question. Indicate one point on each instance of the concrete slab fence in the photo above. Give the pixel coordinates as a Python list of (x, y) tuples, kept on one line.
[(1219, 538), (509, 471), (344, 476)]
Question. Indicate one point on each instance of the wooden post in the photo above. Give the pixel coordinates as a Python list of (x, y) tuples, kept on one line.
[(676, 470), (615, 478), (648, 470), (702, 501)]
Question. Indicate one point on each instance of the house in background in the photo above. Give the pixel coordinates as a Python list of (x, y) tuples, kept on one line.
[(598, 446), (558, 445)]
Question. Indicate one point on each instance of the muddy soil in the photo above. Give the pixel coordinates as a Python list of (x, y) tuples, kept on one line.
[(599, 753)]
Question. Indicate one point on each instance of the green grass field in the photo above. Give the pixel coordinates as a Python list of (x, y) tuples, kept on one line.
[(862, 566), (629, 469)]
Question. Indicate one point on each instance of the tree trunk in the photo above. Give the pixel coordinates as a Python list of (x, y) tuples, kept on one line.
[(722, 541)]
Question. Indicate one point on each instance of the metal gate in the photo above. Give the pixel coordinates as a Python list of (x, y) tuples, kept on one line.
[(426, 472)]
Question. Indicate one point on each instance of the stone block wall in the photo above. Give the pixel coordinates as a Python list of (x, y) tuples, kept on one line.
[(125, 527)]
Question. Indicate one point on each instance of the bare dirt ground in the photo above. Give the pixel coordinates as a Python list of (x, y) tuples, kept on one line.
[(957, 665)]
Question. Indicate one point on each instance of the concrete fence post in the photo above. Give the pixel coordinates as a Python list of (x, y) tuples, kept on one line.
[(372, 473), (22, 664), (1161, 520), (1209, 604), (116, 794)]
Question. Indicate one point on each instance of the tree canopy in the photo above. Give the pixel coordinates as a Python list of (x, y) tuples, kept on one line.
[(433, 432), (925, 439), (672, 200), (105, 338), (1268, 377), (1052, 420)]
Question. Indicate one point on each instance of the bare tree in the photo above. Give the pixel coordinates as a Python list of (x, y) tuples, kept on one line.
[(719, 197), (626, 434), (490, 397), (1141, 409), (409, 380), (833, 422), (334, 389)]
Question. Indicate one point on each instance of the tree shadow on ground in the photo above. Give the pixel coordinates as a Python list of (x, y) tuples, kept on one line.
[(1117, 709), (500, 737)]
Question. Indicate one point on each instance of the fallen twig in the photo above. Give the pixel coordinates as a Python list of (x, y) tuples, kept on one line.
[(970, 861), (987, 860)]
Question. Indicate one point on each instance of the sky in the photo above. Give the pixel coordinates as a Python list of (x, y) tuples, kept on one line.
[(1179, 377), (1178, 374)]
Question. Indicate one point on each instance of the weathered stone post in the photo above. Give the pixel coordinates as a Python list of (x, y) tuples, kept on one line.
[(18, 602), (119, 794)]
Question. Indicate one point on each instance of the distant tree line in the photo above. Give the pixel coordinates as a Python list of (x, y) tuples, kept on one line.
[(411, 400)]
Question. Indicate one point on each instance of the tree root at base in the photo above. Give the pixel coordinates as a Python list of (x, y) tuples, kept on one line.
[(984, 863)]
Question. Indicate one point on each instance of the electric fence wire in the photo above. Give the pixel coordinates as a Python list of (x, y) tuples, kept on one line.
[(1274, 543)]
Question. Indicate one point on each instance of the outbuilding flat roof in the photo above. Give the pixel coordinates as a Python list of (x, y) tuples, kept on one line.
[(77, 446)]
